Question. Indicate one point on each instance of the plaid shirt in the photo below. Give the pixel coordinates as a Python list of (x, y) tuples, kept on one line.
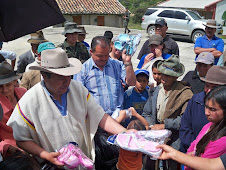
[(105, 86)]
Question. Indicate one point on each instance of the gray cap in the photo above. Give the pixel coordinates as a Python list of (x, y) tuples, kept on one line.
[(71, 27), (205, 57), (155, 39)]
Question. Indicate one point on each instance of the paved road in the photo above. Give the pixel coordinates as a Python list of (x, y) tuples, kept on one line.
[(54, 35)]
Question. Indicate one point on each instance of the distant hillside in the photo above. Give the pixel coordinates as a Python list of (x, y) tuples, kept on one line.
[(138, 7)]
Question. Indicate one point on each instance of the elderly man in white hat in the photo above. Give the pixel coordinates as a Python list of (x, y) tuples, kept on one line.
[(73, 48), (58, 110), (209, 42)]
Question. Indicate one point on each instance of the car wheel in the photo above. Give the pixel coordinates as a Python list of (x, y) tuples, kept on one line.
[(196, 34), (151, 30)]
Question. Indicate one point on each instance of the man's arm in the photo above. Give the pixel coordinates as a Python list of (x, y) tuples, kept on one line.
[(190, 161), (214, 51), (34, 149), (130, 75), (110, 125)]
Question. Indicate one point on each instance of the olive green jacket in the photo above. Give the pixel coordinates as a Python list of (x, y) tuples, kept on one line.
[(78, 51)]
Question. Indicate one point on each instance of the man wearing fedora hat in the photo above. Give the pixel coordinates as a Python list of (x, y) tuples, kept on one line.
[(167, 103), (58, 110), (29, 56), (194, 117), (73, 48), (82, 36), (209, 42)]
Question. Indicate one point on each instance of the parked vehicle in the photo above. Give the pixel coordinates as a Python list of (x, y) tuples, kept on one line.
[(179, 22)]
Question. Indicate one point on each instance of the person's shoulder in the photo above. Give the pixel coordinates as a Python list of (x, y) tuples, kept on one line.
[(129, 91), (169, 39), (27, 53), (199, 97), (21, 90)]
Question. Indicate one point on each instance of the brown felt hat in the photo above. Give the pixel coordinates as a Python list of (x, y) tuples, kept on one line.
[(215, 75), (37, 38)]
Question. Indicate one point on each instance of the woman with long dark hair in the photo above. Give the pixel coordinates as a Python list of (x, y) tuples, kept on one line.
[(211, 141)]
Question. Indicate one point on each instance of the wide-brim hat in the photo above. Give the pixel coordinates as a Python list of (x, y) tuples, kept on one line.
[(83, 30), (7, 74), (171, 66), (215, 75), (56, 61), (37, 38), (71, 27), (212, 24)]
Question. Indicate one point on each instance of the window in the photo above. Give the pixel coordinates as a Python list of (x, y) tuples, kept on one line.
[(150, 11), (180, 15), (166, 14)]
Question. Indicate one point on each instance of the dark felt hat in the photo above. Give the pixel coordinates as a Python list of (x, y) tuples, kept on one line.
[(7, 74)]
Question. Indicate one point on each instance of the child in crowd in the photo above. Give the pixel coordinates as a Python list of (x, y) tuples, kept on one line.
[(155, 77), (127, 159), (137, 96)]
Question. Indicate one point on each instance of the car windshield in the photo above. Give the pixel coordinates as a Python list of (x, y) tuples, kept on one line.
[(194, 15)]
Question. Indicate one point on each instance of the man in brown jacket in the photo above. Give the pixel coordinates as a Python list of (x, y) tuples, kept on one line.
[(167, 102)]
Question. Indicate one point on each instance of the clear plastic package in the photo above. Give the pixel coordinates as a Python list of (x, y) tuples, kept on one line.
[(72, 156), (142, 141), (128, 42)]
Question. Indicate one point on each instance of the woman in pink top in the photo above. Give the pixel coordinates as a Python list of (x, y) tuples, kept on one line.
[(211, 141), (9, 96)]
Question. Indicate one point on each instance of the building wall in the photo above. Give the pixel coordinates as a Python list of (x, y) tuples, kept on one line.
[(109, 20), (221, 7)]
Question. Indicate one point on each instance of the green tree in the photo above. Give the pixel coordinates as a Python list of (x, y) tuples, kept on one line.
[(224, 17)]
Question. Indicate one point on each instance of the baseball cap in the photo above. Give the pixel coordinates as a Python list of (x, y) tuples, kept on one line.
[(155, 39), (142, 71), (205, 57), (161, 21), (45, 46)]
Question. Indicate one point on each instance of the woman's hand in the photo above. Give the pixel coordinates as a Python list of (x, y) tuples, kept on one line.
[(168, 152), (148, 58), (134, 112)]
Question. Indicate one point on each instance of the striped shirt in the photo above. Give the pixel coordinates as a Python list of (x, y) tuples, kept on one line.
[(105, 86)]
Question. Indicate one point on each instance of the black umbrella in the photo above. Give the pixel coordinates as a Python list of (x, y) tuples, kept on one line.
[(22, 17)]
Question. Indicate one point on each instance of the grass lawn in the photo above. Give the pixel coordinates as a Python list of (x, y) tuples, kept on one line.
[(223, 37), (134, 26)]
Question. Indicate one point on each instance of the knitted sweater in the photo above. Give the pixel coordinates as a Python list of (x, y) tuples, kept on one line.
[(36, 118)]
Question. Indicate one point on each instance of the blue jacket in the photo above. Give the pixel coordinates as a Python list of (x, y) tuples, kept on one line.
[(192, 121)]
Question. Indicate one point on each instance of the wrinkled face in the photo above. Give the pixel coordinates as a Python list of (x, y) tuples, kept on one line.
[(157, 75), (167, 80), (57, 84), (72, 37), (81, 37), (8, 89), (141, 83), (209, 86), (213, 111), (154, 47), (100, 56), (203, 68), (161, 30), (210, 32)]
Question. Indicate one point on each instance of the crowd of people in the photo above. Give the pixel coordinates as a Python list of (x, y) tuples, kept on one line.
[(76, 92)]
